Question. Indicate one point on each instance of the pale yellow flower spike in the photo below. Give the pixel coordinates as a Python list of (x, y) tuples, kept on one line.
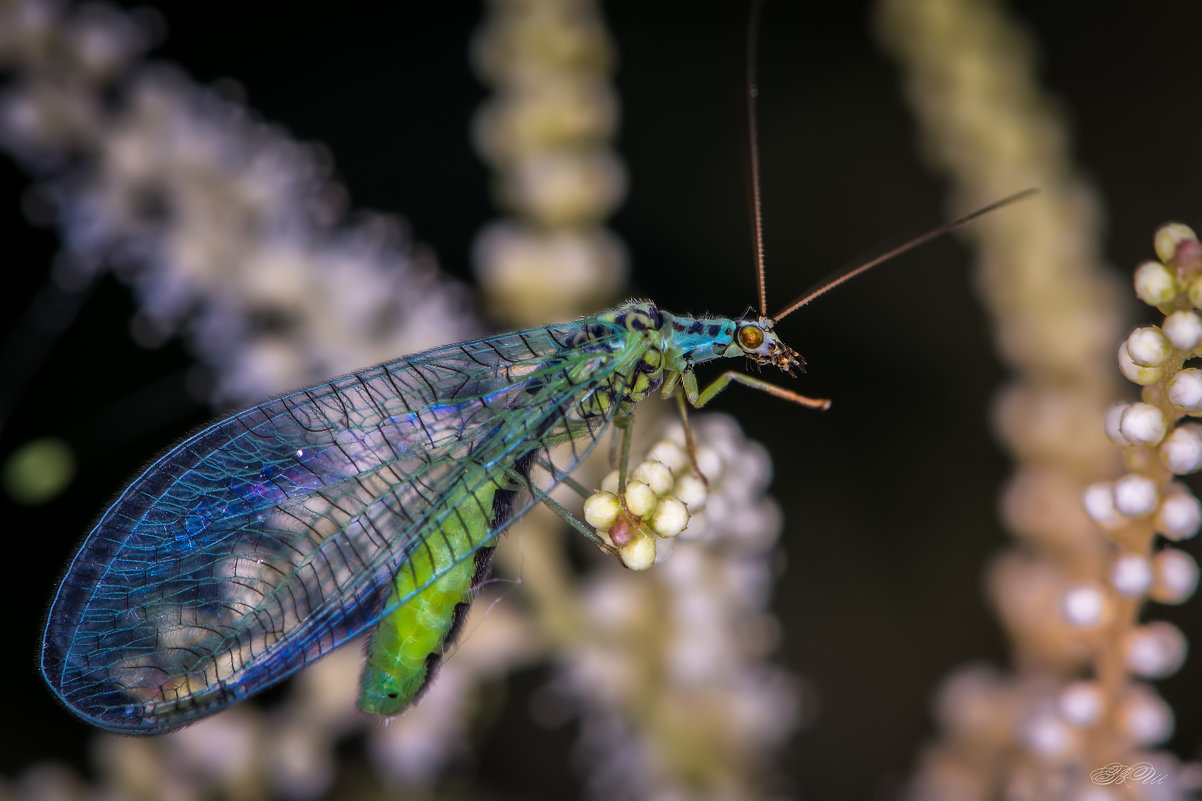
[(1068, 597)]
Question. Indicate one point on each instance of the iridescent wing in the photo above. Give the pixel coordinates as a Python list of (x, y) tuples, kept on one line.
[(270, 538)]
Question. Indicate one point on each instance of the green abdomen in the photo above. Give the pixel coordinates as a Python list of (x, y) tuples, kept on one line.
[(408, 643)]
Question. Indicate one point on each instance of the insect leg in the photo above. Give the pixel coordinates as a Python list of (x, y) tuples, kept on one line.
[(625, 424), (569, 482), (689, 443), (702, 397), (619, 452), (567, 516)]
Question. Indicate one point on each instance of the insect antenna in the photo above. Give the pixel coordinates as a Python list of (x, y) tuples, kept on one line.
[(753, 90), (757, 215), (846, 274)]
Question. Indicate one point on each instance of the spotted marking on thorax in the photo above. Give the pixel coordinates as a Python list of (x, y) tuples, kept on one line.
[(642, 323)]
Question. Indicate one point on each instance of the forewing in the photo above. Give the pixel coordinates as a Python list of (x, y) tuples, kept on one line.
[(271, 537)]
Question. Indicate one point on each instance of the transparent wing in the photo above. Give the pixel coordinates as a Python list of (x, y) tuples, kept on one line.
[(271, 537)]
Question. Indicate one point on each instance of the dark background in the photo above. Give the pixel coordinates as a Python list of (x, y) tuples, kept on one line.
[(889, 497)]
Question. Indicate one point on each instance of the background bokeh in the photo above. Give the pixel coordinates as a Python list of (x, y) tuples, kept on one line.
[(889, 497)]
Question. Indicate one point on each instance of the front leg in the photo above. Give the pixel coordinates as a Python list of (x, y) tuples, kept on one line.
[(700, 398)]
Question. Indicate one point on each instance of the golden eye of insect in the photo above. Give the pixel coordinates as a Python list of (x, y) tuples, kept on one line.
[(751, 337)]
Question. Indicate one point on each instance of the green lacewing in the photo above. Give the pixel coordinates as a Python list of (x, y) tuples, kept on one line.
[(280, 533), (368, 503)]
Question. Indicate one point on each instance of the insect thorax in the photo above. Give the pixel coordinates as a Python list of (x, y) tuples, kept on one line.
[(632, 335)]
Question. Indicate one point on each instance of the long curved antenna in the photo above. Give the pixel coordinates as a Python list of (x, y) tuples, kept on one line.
[(843, 276), (757, 217)]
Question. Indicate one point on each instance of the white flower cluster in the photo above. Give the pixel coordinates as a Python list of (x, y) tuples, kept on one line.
[(229, 231), (683, 648), (661, 492), (1154, 357), (1160, 441), (1099, 595)]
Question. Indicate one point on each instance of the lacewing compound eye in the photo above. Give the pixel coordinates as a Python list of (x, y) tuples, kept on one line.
[(751, 337)]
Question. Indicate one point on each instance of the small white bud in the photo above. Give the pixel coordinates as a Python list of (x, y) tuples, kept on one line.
[(639, 553), (1146, 717), (1047, 736), (671, 454), (640, 499), (1099, 505), (655, 475), (1185, 390), (610, 482), (1080, 703), (1114, 424), (1148, 346), (1194, 293), (1084, 605), (1184, 329), (1131, 575), (1155, 650), (710, 463), (692, 490), (1179, 514), (601, 509), (670, 518), (1169, 239), (1181, 451), (1154, 283), (1176, 576), (1135, 495), (1137, 373), (1142, 424)]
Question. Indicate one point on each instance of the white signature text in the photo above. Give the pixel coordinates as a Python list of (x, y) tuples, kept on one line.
[(1118, 773)]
